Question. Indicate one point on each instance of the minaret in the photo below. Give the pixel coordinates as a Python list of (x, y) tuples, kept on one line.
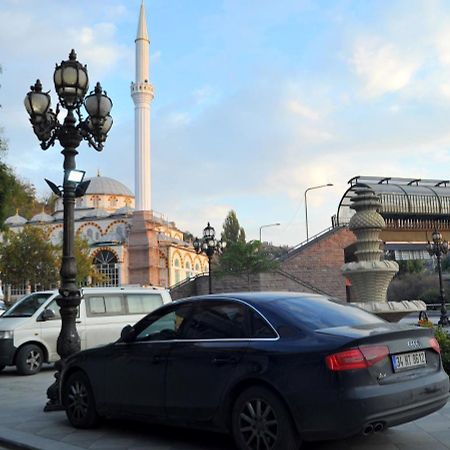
[(143, 253), (142, 94)]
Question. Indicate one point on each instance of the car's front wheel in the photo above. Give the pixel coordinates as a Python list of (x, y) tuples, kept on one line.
[(78, 400), (260, 421), (29, 359)]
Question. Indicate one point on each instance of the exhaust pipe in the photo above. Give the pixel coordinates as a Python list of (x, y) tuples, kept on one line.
[(368, 429), (379, 426)]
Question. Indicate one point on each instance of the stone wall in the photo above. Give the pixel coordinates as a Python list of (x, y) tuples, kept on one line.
[(314, 267)]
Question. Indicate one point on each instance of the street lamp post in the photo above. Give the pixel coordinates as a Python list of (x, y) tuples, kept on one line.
[(439, 247), (306, 205), (71, 84), (266, 226), (209, 246)]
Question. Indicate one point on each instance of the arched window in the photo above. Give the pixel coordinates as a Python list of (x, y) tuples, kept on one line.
[(187, 266), (177, 265), (106, 263)]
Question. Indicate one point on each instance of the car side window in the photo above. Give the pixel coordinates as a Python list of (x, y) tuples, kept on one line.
[(166, 327), (104, 305), (260, 327), (53, 306), (143, 303), (217, 320)]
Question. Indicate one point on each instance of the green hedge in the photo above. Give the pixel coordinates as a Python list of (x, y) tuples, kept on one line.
[(443, 338)]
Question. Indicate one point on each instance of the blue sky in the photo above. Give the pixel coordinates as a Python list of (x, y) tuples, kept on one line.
[(255, 100)]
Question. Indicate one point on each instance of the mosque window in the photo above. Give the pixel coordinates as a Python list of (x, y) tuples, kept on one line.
[(187, 266), (197, 267), (106, 264)]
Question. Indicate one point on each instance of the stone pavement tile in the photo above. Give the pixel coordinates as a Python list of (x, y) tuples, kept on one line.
[(113, 442), (443, 437)]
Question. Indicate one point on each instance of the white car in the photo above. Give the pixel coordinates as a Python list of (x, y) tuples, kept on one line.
[(2, 307)]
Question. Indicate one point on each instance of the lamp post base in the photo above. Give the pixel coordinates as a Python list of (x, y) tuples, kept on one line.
[(444, 321), (53, 403)]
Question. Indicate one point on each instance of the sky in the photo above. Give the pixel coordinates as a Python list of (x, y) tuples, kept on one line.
[(255, 100)]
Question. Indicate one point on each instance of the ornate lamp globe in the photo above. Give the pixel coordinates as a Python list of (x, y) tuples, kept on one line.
[(209, 232), (71, 82), (37, 103)]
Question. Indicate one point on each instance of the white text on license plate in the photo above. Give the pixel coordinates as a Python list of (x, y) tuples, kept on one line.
[(408, 360)]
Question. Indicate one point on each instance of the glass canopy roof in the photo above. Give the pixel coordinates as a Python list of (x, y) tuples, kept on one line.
[(401, 197)]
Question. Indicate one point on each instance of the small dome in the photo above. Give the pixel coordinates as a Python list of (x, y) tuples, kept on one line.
[(125, 210), (109, 186), (42, 217), (96, 213), (15, 220)]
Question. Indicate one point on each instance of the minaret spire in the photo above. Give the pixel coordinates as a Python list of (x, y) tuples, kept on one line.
[(142, 94)]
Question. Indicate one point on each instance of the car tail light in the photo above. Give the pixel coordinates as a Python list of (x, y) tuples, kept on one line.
[(356, 358), (434, 344)]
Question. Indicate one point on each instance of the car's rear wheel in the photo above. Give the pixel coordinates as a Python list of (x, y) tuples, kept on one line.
[(78, 399), (29, 359), (260, 421)]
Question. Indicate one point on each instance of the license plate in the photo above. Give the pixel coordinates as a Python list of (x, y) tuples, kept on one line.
[(406, 361)]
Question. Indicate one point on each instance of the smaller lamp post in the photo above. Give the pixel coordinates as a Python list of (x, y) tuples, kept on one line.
[(266, 226), (439, 247), (209, 246), (306, 204)]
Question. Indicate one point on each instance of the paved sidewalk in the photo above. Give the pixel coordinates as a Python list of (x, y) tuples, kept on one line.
[(23, 424)]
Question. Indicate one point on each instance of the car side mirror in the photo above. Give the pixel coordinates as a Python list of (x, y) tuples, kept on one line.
[(47, 314), (128, 334)]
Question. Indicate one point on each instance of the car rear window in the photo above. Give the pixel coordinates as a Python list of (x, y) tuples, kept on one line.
[(317, 313)]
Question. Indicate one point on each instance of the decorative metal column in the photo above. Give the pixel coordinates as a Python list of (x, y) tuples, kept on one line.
[(209, 246), (71, 84)]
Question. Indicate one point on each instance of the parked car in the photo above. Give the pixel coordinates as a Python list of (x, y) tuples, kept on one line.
[(29, 329), (271, 368)]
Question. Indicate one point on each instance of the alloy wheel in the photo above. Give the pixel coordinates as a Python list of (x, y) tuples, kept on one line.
[(33, 360), (78, 401), (258, 425)]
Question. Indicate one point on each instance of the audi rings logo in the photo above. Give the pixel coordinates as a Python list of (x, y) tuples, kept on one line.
[(413, 343)]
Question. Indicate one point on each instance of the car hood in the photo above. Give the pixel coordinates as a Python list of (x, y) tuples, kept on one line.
[(373, 330), (12, 323)]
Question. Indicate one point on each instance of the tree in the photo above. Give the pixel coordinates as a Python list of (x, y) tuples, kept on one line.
[(232, 231), (14, 193), (245, 259), (86, 271), (28, 257)]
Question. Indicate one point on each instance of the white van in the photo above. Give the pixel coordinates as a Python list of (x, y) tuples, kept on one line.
[(30, 328)]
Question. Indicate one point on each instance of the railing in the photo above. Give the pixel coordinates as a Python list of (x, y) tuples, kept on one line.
[(311, 239), (302, 283), (188, 280)]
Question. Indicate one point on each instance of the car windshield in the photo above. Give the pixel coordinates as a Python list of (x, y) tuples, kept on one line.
[(27, 306), (316, 313)]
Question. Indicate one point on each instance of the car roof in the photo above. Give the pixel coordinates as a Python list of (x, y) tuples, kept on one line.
[(257, 298)]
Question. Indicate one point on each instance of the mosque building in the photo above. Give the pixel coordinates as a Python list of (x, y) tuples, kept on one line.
[(130, 243)]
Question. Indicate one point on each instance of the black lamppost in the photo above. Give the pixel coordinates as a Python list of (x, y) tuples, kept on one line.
[(71, 84), (209, 245), (439, 247)]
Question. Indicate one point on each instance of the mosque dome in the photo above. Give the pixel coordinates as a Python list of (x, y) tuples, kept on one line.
[(42, 217), (15, 220), (107, 186)]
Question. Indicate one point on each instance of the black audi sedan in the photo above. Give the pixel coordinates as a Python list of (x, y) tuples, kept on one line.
[(271, 368)]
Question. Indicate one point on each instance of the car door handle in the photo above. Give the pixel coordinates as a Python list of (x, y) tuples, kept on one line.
[(219, 361)]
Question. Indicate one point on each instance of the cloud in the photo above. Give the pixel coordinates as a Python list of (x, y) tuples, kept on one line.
[(298, 108), (382, 66)]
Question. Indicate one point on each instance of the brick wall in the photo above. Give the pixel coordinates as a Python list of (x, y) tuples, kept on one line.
[(318, 264)]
